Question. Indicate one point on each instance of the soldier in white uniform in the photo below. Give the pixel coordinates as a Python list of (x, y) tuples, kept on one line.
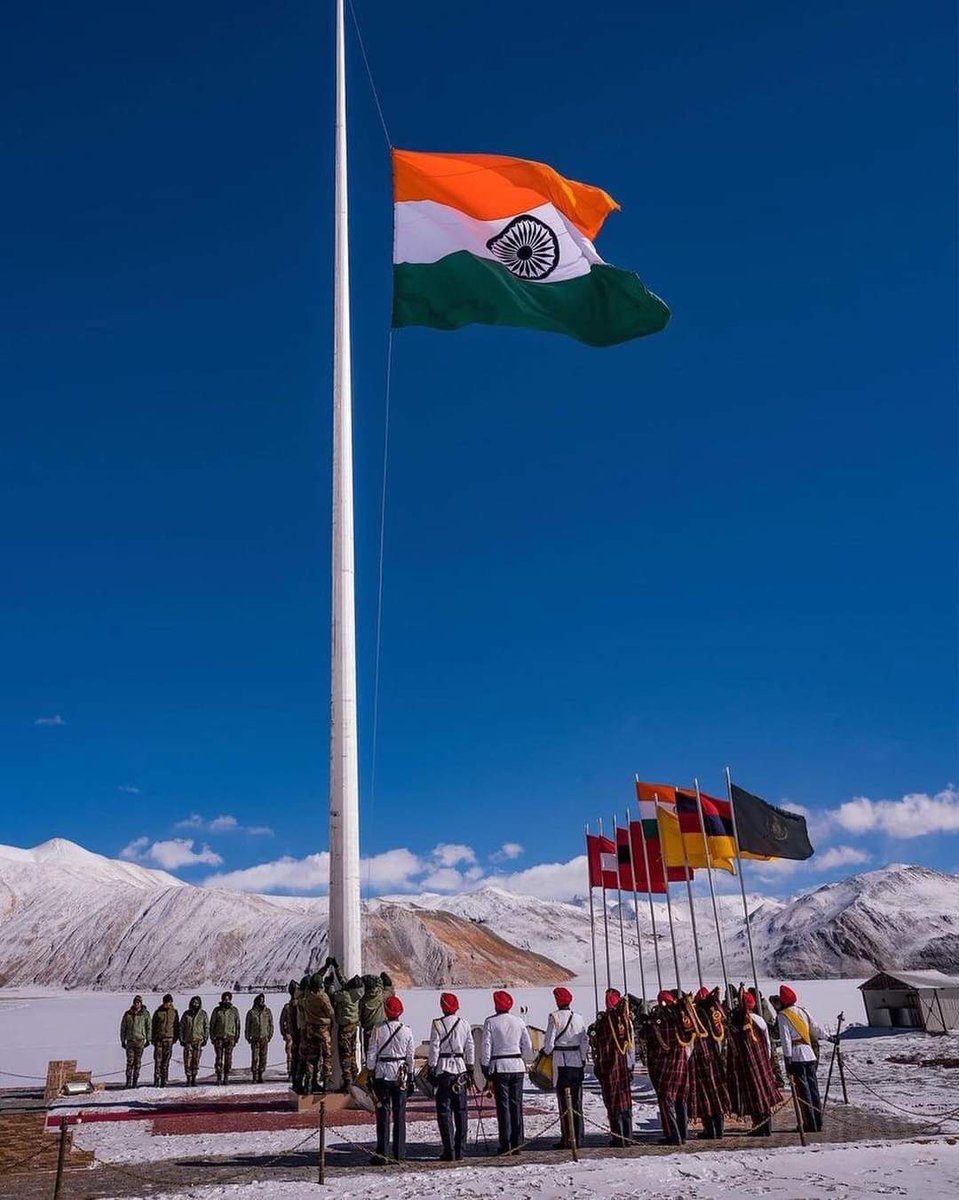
[(567, 1041), (800, 1035), (389, 1060), (451, 1067), (505, 1041)]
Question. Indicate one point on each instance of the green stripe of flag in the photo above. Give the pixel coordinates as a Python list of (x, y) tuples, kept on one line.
[(601, 308)]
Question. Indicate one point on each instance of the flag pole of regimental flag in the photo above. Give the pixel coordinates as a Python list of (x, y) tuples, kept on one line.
[(487, 239)]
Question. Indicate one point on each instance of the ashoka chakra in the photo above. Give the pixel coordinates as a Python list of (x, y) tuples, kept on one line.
[(527, 247)]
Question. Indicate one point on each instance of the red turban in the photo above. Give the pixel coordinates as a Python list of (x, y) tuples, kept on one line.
[(750, 1001), (502, 1001), (786, 994), (449, 1003), (612, 998), (703, 993), (393, 1007), (563, 996), (665, 997)]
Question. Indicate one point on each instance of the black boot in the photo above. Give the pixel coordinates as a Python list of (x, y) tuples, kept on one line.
[(129, 1082)]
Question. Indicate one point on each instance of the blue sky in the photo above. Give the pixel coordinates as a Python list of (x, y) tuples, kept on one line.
[(730, 543)]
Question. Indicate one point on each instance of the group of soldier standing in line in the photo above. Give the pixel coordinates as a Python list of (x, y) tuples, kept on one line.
[(193, 1030), (706, 1057)]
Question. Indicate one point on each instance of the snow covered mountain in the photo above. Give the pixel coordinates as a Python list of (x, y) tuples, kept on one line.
[(900, 916), (72, 918), (76, 919)]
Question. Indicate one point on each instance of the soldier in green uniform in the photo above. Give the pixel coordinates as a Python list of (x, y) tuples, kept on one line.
[(375, 990), (194, 1035), (224, 1034), (316, 1044), (345, 998), (259, 1033), (164, 1032), (134, 1035), (288, 1032)]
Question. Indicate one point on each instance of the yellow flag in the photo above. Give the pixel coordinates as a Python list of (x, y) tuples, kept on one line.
[(688, 849)]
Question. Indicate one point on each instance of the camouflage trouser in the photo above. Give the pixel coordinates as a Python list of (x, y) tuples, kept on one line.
[(346, 1047), (134, 1058), (290, 1052), (316, 1048), (162, 1053), (258, 1049), (191, 1058), (224, 1057)]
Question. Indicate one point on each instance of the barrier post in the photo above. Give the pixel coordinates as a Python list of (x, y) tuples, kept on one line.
[(322, 1162), (61, 1159), (799, 1125)]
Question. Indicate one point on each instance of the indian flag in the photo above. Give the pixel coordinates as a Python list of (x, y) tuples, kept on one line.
[(487, 239)]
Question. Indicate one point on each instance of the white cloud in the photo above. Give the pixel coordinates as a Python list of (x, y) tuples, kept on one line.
[(445, 879), (225, 823), (170, 854), (54, 720), (129, 789), (915, 815), (508, 850), (549, 881), (390, 871), (840, 856), (450, 854)]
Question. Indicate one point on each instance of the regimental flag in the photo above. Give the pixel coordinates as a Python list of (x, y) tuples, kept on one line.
[(603, 862), (658, 877), (718, 823), (767, 831), (492, 240), (680, 848)]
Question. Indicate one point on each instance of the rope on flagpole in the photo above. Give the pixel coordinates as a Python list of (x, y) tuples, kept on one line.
[(369, 76)]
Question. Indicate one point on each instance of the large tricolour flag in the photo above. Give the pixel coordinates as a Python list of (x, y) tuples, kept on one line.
[(493, 240)]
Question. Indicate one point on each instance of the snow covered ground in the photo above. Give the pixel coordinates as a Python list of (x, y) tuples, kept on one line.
[(39, 1025), (927, 1170)]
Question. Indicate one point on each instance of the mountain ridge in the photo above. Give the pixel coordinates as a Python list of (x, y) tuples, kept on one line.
[(73, 918)]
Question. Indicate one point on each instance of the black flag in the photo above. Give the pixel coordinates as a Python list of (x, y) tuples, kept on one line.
[(764, 829)]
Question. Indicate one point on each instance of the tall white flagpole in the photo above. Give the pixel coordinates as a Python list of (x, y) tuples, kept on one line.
[(345, 933), (742, 881), (712, 890)]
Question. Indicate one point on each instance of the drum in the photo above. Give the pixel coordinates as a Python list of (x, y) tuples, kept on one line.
[(423, 1082), (541, 1072), (537, 1036), (361, 1092)]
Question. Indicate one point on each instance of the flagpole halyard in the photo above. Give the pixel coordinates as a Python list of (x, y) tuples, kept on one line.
[(712, 890), (742, 881), (649, 893), (639, 936), (592, 926), (619, 896)]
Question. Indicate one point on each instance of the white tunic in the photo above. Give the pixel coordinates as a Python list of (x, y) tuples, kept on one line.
[(763, 1028), (391, 1048), (566, 1039), (451, 1046), (505, 1040), (795, 1049)]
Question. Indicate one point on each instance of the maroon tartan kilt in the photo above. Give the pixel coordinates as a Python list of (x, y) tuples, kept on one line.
[(610, 1066), (708, 1094), (749, 1074), (668, 1068)]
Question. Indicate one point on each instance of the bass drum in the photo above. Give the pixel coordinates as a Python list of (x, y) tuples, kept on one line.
[(423, 1083), (361, 1093), (541, 1072), (537, 1036)]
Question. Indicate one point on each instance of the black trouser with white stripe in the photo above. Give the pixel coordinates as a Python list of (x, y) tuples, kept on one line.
[(508, 1093), (569, 1091), (451, 1113)]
